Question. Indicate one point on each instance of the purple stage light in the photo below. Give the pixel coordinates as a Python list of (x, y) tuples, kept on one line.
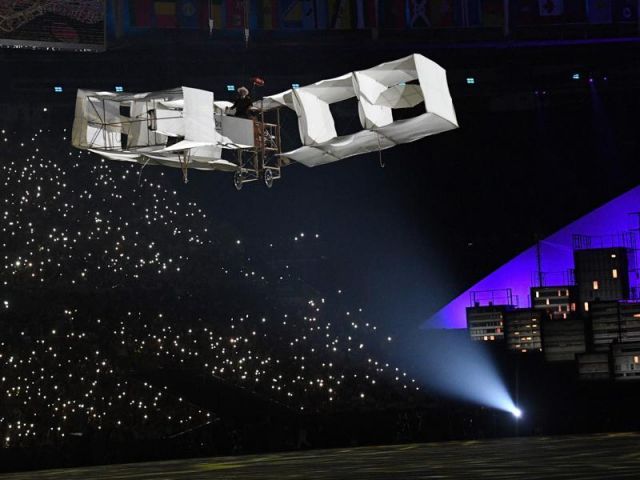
[(556, 255)]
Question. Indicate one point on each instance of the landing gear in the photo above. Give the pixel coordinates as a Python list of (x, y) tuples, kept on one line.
[(237, 180), (268, 178)]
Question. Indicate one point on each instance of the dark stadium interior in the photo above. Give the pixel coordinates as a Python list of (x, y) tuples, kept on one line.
[(144, 319)]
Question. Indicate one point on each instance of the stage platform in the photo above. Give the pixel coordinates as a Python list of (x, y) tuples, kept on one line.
[(603, 456)]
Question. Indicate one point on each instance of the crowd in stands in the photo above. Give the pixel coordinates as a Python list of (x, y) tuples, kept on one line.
[(112, 283)]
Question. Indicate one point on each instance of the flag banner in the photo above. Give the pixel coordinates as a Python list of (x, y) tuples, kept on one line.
[(441, 13), (322, 15), (216, 10), (342, 14), (234, 13), (599, 11), (265, 13), (165, 14), (393, 14), (553, 8), (140, 13), (417, 14), (468, 13), (575, 11), (492, 13), (309, 14), (525, 12), (188, 15), (366, 14), (298, 14), (203, 13), (626, 11), (536, 12)]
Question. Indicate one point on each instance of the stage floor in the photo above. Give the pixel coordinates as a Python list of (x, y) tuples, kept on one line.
[(605, 456)]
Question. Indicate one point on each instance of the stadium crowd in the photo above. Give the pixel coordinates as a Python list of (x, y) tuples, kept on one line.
[(110, 276)]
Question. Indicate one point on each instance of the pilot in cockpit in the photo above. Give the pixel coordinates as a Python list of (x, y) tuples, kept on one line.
[(242, 104)]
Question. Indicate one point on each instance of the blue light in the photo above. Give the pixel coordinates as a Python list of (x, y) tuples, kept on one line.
[(575, 76), (449, 363), (471, 81), (57, 89), (119, 88), (231, 88), (295, 86)]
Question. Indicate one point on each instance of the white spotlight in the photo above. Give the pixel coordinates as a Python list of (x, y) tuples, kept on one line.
[(516, 412)]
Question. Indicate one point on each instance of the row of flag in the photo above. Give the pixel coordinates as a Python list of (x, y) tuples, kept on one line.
[(364, 14)]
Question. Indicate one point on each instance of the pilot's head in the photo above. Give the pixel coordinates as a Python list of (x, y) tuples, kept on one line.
[(243, 92)]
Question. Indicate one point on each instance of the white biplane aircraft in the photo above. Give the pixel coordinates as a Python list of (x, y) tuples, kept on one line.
[(186, 128)]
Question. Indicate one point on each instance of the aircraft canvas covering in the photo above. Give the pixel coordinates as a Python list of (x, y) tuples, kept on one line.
[(137, 127), (187, 128), (379, 91)]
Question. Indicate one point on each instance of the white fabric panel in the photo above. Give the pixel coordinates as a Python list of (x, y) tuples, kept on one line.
[(339, 148), (433, 82), (379, 90), (185, 145), (220, 106), (104, 112), (237, 131), (199, 124), (223, 165), (119, 156), (194, 164), (207, 153), (178, 103), (170, 122), (101, 137), (284, 99), (138, 130), (368, 90), (366, 141), (332, 90), (79, 130), (394, 72), (401, 96), (314, 118)]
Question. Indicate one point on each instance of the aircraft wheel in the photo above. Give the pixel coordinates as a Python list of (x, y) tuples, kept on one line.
[(237, 180), (268, 178)]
